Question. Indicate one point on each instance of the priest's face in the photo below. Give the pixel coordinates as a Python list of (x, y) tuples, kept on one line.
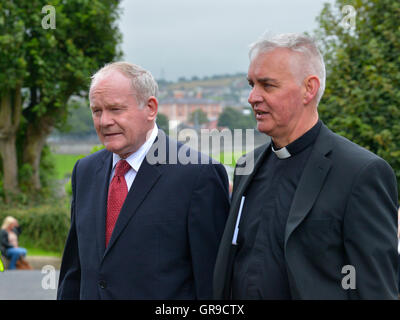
[(276, 95)]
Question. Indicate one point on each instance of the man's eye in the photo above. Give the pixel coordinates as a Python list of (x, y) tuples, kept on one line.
[(268, 85)]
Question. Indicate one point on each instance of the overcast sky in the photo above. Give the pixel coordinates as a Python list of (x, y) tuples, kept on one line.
[(175, 38)]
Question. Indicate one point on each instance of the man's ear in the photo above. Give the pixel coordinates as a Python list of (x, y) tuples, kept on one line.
[(152, 108), (311, 86)]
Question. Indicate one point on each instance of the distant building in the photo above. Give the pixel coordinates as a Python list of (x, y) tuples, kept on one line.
[(179, 108)]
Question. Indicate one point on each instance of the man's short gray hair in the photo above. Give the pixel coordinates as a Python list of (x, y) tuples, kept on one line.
[(143, 84), (313, 62)]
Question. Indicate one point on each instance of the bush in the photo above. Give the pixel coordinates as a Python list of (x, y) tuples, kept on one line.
[(45, 226)]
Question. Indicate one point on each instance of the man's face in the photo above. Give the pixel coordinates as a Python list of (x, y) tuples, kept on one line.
[(120, 124), (276, 97)]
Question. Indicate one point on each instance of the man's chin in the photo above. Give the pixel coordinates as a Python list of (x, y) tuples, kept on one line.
[(261, 127), (122, 152), (113, 148)]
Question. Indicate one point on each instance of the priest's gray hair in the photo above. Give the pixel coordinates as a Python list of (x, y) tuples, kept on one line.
[(143, 84), (312, 62)]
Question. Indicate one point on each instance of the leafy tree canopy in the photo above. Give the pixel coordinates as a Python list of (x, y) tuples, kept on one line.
[(362, 96), (162, 122), (198, 117), (235, 119), (42, 65)]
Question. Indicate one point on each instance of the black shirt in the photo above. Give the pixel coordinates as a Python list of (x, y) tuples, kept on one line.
[(259, 270)]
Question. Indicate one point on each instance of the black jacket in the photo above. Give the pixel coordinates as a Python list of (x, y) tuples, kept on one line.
[(4, 243), (344, 213)]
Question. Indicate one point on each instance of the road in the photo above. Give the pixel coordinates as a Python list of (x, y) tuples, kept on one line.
[(28, 285)]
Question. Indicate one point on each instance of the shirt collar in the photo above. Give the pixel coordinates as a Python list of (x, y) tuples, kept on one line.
[(282, 153), (135, 159), (299, 144)]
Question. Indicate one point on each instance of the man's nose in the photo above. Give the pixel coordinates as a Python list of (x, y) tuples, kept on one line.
[(254, 96), (106, 119)]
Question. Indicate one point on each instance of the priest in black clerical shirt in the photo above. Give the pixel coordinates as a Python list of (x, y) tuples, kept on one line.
[(317, 216)]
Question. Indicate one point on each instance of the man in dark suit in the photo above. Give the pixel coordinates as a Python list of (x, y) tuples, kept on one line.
[(316, 218), (143, 225)]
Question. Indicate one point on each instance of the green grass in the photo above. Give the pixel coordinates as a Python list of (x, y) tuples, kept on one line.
[(229, 158), (34, 250), (41, 252), (64, 163)]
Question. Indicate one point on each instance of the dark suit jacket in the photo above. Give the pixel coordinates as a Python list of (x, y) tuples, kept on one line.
[(343, 213), (165, 240)]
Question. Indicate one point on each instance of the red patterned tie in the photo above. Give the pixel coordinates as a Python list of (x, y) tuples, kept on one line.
[(116, 196)]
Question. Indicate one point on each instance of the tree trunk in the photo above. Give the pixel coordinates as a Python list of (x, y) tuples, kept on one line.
[(36, 135), (10, 115), (8, 154)]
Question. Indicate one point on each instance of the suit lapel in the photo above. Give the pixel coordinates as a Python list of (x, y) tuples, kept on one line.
[(311, 181), (100, 207), (145, 179)]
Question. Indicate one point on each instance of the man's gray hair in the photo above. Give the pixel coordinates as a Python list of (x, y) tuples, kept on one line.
[(313, 62), (143, 84)]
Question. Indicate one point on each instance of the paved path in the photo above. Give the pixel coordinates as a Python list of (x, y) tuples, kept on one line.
[(28, 285)]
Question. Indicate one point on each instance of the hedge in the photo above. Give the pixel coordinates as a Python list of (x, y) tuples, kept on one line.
[(43, 227)]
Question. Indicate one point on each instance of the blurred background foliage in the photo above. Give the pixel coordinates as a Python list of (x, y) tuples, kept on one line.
[(44, 226), (235, 119), (41, 69), (362, 96)]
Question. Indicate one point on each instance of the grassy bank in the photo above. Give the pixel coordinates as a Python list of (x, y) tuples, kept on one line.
[(64, 164), (41, 252)]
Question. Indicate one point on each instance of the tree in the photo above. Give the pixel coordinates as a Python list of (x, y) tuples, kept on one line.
[(235, 119), (162, 122), (79, 121), (198, 117), (362, 100), (13, 71), (49, 65)]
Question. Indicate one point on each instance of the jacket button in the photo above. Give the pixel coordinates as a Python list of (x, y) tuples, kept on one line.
[(102, 284)]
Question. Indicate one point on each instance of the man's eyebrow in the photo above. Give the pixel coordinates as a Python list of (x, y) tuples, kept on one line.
[(118, 105), (113, 105), (266, 79)]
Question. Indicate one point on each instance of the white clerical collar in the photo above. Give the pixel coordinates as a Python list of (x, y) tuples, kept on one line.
[(282, 153), (135, 159)]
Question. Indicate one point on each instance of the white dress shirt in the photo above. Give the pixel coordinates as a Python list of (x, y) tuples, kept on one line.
[(135, 159)]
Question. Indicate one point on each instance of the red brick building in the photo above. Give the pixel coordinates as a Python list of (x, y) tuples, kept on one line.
[(178, 110)]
